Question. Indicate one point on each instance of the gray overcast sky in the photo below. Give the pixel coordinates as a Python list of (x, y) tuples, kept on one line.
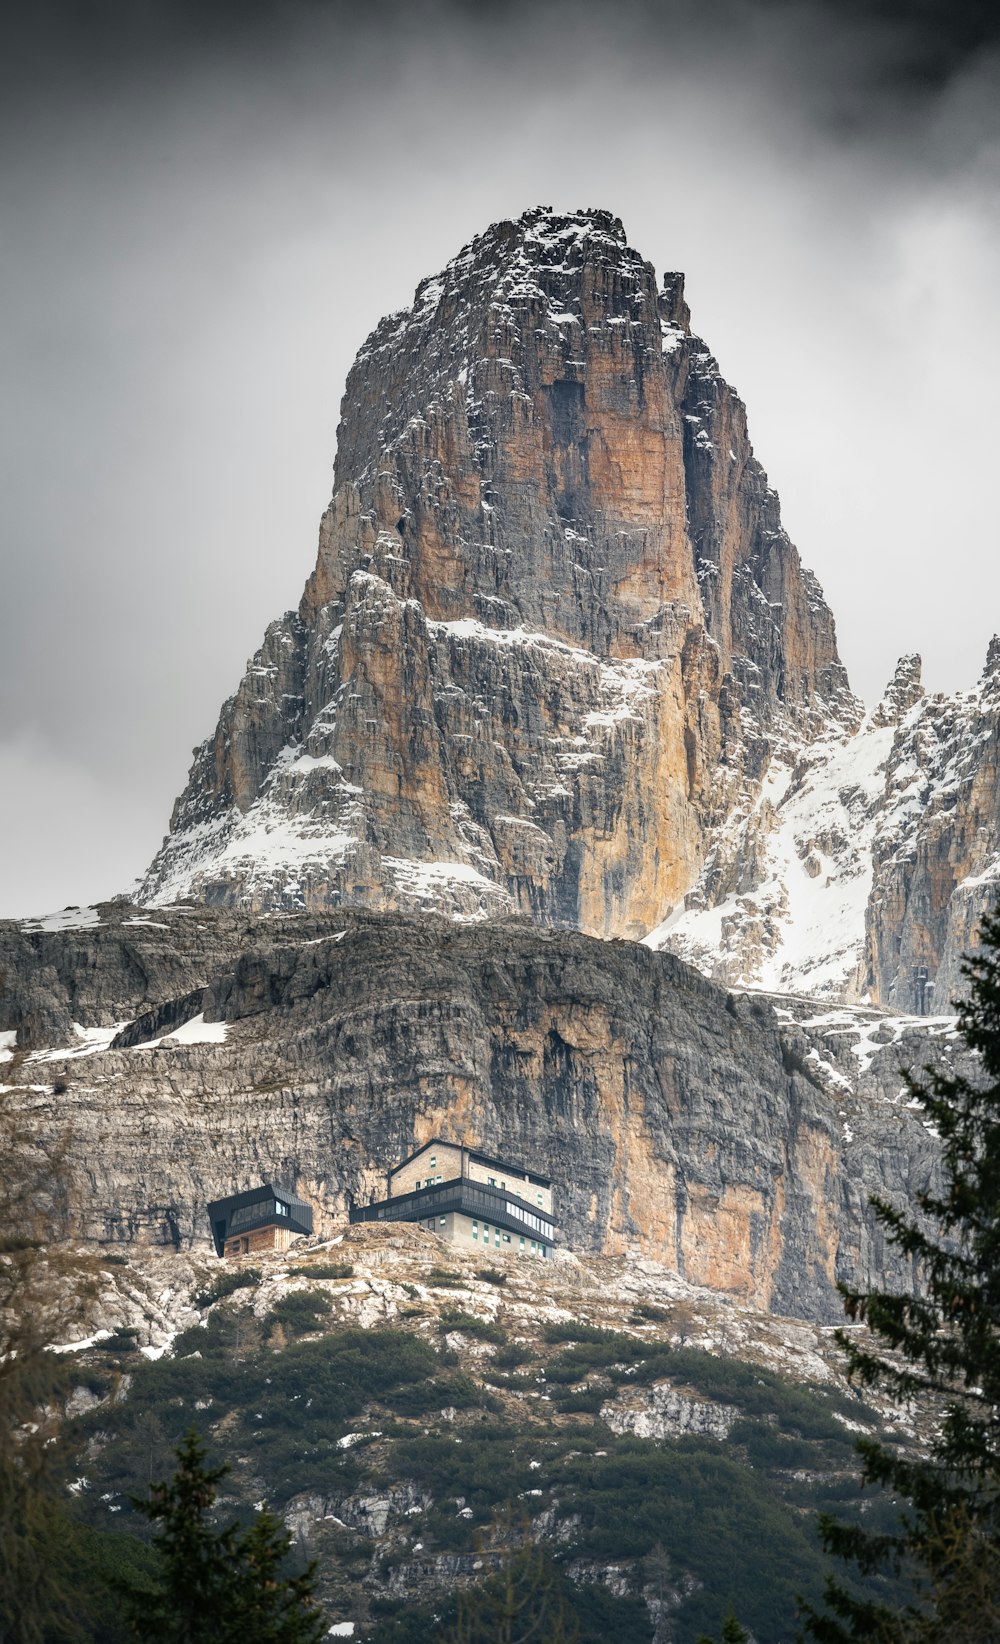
[(204, 211)]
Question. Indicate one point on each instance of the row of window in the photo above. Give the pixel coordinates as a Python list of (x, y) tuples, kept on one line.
[(499, 1235), (527, 1216), (503, 1187), (248, 1214)]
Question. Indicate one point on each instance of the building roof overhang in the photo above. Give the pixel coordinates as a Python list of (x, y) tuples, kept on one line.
[(298, 1220)]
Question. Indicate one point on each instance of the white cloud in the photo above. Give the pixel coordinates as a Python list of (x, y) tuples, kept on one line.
[(67, 836)]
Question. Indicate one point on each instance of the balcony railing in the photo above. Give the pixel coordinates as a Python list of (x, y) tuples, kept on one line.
[(466, 1197)]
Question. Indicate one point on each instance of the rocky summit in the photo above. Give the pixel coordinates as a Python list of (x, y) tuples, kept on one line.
[(555, 634), (559, 657)]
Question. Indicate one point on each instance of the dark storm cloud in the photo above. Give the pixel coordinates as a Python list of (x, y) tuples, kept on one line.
[(206, 207)]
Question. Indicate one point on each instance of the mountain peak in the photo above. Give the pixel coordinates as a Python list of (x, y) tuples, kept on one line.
[(555, 624), (903, 691)]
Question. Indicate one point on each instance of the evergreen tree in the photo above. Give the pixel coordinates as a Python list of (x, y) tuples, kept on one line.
[(218, 1586), (732, 1633), (44, 1294), (520, 1602), (939, 1350)]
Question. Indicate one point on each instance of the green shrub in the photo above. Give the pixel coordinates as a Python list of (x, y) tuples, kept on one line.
[(721, 1521), (570, 1330), (453, 1318), (491, 1275), (124, 1340), (325, 1270), (575, 1362), (299, 1312), (579, 1400), (512, 1355), (236, 1278), (457, 1392), (442, 1279)]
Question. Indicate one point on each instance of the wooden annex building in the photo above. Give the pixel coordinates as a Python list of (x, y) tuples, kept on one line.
[(263, 1218), (469, 1198)]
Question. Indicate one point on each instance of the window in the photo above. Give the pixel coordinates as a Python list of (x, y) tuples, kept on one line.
[(433, 1160), (492, 1181), (521, 1242), (486, 1232), (539, 1198), (506, 1238), (439, 1178), (475, 1230), (496, 1237), (443, 1220)]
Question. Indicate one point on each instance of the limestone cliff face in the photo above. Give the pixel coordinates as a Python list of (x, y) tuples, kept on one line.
[(936, 855), (555, 628), (864, 866), (707, 1132)]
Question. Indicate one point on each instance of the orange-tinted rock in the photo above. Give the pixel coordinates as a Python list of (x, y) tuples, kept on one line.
[(554, 626)]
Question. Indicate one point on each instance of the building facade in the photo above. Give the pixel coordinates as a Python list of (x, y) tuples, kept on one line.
[(469, 1198), (263, 1218)]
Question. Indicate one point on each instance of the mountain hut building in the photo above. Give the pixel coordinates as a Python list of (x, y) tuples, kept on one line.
[(469, 1198), (263, 1218)]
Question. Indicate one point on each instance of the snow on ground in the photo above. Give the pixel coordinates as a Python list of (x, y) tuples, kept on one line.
[(426, 880), (79, 1346), (802, 929), (877, 1031), (822, 853), (90, 1042), (196, 1031), (66, 919)]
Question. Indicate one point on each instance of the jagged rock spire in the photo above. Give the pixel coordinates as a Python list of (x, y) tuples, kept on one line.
[(555, 624)]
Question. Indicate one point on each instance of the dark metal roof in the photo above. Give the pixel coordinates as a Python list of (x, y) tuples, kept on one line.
[(480, 1158), (240, 1206), (470, 1198)]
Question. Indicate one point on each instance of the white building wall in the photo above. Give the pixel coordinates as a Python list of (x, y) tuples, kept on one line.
[(443, 1162), (436, 1163), (472, 1234)]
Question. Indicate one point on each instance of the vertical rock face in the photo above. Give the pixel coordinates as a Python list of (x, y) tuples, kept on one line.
[(558, 656), (936, 854), (191, 1054), (864, 865), (555, 632)]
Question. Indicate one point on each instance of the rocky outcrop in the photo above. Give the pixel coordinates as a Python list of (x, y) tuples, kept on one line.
[(864, 866), (678, 1122), (936, 855), (555, 630)]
